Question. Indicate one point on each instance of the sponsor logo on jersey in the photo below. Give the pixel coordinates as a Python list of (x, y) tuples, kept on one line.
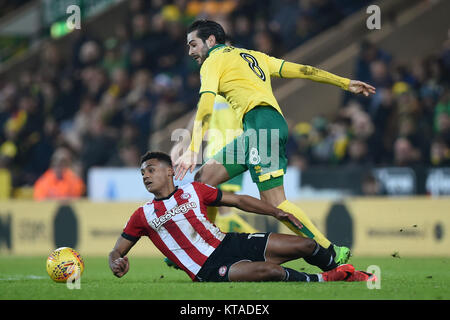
[(169, 214)]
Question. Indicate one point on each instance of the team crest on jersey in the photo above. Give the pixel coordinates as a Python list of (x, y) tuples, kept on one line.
[(185, 196), (222, 270)]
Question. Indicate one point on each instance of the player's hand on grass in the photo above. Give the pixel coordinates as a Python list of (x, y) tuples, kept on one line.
[(357, 87), (120, 266), (184, 163)]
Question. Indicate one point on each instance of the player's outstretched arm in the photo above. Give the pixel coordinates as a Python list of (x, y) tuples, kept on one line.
[(188, 160), (251, 204), (295, 70), (181, 146), (118, 262)]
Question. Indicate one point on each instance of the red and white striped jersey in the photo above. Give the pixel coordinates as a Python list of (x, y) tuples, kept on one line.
[(178, 225)]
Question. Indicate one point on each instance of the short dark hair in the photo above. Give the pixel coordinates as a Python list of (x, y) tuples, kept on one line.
[(161, 156), (205, 28)]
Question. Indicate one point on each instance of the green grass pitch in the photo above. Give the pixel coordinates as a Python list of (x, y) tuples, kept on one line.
[(150, 278)]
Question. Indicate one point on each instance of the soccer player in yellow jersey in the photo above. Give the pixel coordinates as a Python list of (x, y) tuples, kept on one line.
[(223, 128), (243, 77)]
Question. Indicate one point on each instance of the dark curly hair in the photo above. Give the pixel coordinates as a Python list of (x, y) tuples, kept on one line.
[(161, 156), (205, 28)]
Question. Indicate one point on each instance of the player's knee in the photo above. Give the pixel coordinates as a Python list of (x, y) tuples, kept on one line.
[(306, 246)]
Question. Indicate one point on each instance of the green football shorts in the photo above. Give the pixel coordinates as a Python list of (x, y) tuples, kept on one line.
[(261, 148)]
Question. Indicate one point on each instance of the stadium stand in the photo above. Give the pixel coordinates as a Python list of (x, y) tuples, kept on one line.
[(9, 6)]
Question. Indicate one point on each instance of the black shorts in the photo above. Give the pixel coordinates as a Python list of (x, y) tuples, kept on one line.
[(235, 247)]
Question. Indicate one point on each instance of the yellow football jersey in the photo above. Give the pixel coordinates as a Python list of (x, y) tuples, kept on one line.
[(242, 76), (223, 126)]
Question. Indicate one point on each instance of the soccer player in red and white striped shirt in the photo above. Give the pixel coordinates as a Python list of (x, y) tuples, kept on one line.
[(176, 222)]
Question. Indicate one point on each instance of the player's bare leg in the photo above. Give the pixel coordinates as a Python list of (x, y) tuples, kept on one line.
[(212, 173), (282, 248), (274, 196), (267, 271), (256, 271), (285, 247), (277, 198)]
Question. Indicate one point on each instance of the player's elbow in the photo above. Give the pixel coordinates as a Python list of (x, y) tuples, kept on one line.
[(243, 202)]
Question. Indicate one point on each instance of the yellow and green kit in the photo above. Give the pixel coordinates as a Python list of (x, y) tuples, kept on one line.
[(243, 78)]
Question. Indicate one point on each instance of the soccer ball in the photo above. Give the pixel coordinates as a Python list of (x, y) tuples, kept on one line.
[(65, 263)]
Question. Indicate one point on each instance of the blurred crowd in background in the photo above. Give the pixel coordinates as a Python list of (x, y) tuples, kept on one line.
[(8, 6), (101, 105), (406, 123)]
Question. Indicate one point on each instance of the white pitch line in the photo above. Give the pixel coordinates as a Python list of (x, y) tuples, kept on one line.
[(22, 277)]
